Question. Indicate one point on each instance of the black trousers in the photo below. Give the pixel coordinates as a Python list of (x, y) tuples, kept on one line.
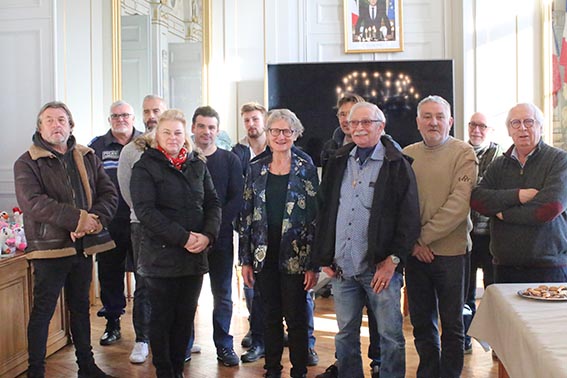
[(74, 274), (111, 269), (283, 296), (173, 302)]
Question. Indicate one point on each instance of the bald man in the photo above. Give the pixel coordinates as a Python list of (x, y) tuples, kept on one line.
[(480, 131)]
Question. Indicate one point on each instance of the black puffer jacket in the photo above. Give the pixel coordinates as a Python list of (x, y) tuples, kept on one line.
[(48, 201), (170, 204)]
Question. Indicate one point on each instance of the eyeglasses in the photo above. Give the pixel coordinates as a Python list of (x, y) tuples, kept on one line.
[(474, 125), (286, 132), (363, 122), (121, 115), (528, 123)]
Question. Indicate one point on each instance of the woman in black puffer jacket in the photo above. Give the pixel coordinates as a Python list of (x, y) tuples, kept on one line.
[(176, 203)]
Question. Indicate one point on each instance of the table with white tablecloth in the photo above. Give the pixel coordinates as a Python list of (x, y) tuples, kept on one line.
[(529, 336)]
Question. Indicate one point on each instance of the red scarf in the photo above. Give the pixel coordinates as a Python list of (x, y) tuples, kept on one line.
[(176, 161)]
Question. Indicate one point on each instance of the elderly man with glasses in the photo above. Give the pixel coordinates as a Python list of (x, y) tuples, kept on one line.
[(111, 266), (367, 225), (523, 193)]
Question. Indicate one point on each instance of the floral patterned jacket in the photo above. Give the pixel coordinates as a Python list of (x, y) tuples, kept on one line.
[(298, 226)]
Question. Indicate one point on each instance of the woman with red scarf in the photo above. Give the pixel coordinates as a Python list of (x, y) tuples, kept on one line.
[(176, 203)]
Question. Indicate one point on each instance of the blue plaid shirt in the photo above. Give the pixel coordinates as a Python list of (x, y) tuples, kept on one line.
[(357, 192)]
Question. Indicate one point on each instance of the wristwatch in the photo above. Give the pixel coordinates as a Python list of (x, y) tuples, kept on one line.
[(395, 259)]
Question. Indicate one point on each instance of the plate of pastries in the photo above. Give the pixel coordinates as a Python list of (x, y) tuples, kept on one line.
[(545, 293)]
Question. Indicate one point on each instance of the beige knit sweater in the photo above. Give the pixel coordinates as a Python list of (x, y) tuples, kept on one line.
[(446, 175)]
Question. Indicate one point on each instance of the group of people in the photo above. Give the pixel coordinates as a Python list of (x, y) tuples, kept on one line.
[(165, 207)]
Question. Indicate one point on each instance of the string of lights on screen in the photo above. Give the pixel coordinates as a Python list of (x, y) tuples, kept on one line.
[(385, 89)]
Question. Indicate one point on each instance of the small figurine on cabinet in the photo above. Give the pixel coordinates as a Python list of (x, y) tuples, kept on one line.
[(4, 217), (18, 216), (20, 241), (7, 241)]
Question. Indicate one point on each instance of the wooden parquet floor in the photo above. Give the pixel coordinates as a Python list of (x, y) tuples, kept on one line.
[(114, 359)]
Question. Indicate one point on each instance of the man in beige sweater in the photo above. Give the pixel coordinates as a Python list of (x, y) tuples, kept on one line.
[(446, 171)]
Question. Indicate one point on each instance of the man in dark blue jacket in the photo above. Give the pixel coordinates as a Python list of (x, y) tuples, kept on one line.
[(111, 266), (225, 170)]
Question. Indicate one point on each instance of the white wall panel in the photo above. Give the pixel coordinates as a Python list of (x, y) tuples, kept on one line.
[(495, 60), (27, 80), (284, 31), (25, 9), (423, 15)]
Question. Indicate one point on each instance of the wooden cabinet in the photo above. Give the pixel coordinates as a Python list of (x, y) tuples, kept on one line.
[(15, 307)]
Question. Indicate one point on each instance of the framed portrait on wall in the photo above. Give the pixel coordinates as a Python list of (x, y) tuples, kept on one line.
[(373, 26)]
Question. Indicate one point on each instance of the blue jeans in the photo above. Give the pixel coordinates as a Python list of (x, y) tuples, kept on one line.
[(350, 295), (436, 290), (220, 274), (374, 345), (221, 263)]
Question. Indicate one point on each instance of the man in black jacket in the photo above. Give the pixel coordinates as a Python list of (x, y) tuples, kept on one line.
[(368, 222)]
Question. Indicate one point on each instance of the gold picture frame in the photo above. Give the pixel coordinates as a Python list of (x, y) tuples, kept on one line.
[(373, 26)]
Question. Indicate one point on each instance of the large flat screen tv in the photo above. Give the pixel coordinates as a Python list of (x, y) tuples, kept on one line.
[(311, 91)]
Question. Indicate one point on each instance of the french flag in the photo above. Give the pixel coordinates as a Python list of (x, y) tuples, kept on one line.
[(354, 15), (556, 74)]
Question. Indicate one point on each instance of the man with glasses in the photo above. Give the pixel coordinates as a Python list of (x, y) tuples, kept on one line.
[(367, 225), (446, 171), (523, 193), (341, 137), (111, 266), (479, 257)]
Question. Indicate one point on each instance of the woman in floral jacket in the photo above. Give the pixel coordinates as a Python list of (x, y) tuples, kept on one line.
[(276, 233)]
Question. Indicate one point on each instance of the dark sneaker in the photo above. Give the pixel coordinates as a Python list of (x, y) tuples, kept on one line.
[(247, 340), (253, 354), (111, 333), (331, 372), (227, 357), (273, 374), (91, 371), (312, 357)]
